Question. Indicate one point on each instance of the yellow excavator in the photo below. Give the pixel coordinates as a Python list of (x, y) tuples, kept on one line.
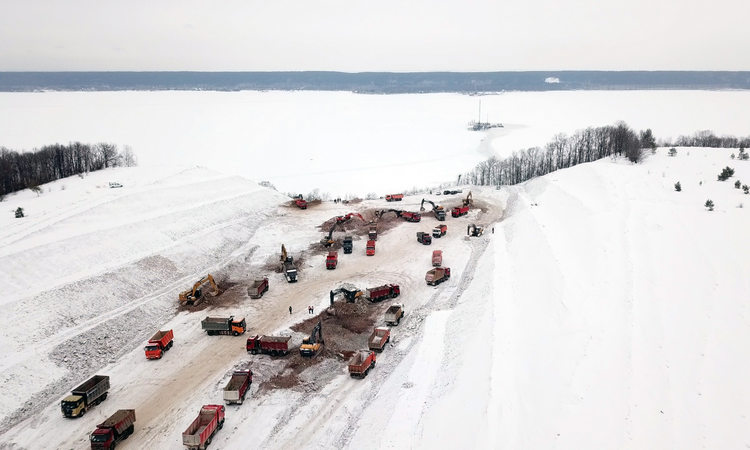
[(195, 295), (312, 344)]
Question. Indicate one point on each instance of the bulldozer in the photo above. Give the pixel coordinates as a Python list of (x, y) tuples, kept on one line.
[(349, 294), (438, 210), (312, 344), (195, 295), (474, 231)]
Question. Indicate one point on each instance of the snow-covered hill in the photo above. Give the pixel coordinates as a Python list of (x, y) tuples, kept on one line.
[(605, 311)]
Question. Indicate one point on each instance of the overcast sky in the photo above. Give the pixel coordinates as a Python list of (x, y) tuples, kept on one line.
[(374, 35)]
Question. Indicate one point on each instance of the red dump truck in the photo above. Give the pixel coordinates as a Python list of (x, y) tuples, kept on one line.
[(379, 337), (424, 238), (158, 344), (383, 292), (332, 260), (199, 434), (258, 288), (439, 231), (113, 430), (459, 211), (437, 258), (437, 275), (394, 197), (270, 345), (237, 387), (361, 363), (301, 204), (411, 216), (370, 250)]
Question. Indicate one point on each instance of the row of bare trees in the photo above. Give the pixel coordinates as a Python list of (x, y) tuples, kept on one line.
[(707, 138), (563, 152), (21, 170)]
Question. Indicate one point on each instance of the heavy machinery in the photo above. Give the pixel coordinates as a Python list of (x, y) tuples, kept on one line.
[(437, 275), (439, 231), (394, 197), (196, 295), (312, 344), (287, 266), (394, 313), (361, 363), (92, 392), (424, 238), (201, 431), (300, 202), (459, 211), (237, 387), (115, 429), (406, 215), (349, 294), (468, 201), (327, 241), (370, 248), (332, 260), (372, 233), (474, 231), (438, 210), (348, 244)]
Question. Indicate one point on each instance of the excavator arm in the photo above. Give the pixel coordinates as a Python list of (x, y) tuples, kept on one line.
[(468, 201)]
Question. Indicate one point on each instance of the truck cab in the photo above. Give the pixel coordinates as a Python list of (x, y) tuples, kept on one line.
[(102, 438), (73, 406), (153, 351), (239, 326)]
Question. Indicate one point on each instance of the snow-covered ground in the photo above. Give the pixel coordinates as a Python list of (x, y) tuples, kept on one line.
[(346, 143), (605, 311)]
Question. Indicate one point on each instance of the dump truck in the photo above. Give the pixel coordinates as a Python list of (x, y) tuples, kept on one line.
[(411, 216), (300, 202), (158, 344), (459, 211), (258, 288), (237, 387), (379, 337), (270, 345), (361, 363), (394, 197), (224, 325), (372, 233), (370, 250), (348, 244), (437, 275), (439, 231), (383, 292), (424, 238), (437, 258), (332, 260), (115, 429), (199, 434), (92, 392), (438, 210), (394, 313)]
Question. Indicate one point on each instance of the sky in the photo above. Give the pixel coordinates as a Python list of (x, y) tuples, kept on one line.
[(384, 35)]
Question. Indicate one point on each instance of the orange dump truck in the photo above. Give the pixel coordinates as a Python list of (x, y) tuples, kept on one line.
[(361, 363)]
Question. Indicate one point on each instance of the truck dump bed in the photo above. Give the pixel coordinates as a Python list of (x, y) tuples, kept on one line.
[(93, 387), (216, 323), (160, 335), (277, 342), (360, 362), (120, 420), (378, 338), (201, 428)]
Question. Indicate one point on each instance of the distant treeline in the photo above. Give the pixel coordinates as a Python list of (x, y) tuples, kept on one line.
[(22, 170), (707, 138), (563, 152), (373, 82)]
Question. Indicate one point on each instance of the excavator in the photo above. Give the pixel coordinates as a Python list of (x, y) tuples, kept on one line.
[(406, 215), (468, 201), (287, 266), (474, 231), (196, 295), (438, 210), (327, 241), (349, 294), (312, 344)]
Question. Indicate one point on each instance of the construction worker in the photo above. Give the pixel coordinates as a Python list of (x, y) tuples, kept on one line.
[(290, 310)]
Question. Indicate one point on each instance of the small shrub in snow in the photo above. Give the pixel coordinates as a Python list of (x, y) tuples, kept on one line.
[(19, 212), (743, 156), (36, 189), (737, 184), (746, 188), (678, 187), (267, 184), (732, 155), (371, 196), (709, 204), (726, 173), (672, 151)]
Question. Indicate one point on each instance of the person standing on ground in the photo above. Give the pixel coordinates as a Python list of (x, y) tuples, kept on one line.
[(312, 310), (290, 310)]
